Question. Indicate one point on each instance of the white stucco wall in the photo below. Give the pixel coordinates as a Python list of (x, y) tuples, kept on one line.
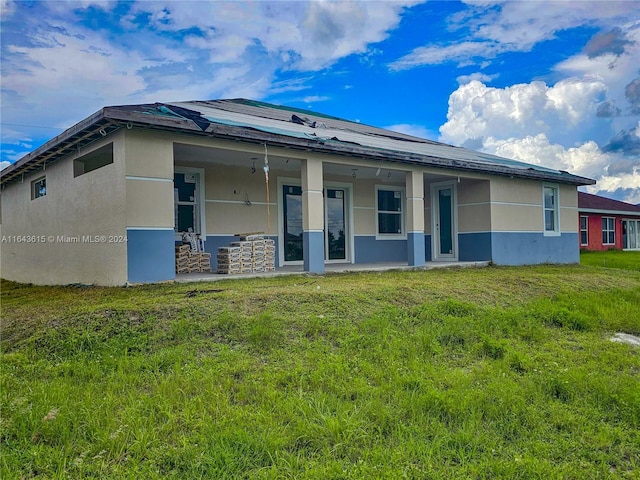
[(516, 205), (78, 228)]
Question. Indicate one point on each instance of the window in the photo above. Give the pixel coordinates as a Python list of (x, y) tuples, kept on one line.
[(631, 234), (608, 231), (187, 202), (92, 161), (550, 208), (38, 188), (389, 212), (584, 230)]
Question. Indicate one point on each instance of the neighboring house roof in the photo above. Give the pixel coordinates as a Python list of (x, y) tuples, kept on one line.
[(258, 122), (589, 203)]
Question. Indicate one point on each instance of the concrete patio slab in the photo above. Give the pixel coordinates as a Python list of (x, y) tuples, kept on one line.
[(330, 268)]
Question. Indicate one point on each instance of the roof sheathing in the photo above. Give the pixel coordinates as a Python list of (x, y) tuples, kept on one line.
[(251, 122)]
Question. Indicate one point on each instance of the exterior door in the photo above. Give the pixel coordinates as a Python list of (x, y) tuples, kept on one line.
[(631, 234), (444, 222), (292, 209), (335, 224)]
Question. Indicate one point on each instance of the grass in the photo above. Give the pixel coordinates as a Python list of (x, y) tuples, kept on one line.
[(629, 260), (463, 373)]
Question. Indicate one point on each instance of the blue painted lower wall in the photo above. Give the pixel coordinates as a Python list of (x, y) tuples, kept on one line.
[(416, 249), (150, 256), (313, 247), (533, 248), (474, 247), (370, 250)]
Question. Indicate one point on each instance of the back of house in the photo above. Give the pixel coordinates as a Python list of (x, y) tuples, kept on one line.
[(107, 201)]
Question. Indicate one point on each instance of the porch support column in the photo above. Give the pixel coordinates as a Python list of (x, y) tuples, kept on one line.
[(312, 216), (415, 218)]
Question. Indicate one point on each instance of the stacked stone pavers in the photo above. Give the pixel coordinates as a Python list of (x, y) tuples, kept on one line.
[(182, 258), (188, 261), (229, 260), (252, 253)]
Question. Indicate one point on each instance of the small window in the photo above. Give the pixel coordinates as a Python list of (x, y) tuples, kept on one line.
[(38, 188), (389, 212), (584, 231), (92, 161), (550, 208), (608, 231)]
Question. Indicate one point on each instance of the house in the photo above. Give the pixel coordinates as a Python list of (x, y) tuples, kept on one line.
[(606, 223), (104, 202)]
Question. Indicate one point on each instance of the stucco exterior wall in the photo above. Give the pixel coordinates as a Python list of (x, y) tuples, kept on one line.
[(474, 207), (227, 191), (516, 205), (568, 209), (518, 236), (594, 231), (149, 206), (79, 226)]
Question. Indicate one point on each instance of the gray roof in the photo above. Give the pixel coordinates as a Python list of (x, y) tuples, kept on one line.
[(257, 122)]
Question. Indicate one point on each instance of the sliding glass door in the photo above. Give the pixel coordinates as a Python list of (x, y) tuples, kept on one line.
[(336, 223)]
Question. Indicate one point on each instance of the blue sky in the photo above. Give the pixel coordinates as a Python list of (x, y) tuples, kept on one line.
[(551, 83)]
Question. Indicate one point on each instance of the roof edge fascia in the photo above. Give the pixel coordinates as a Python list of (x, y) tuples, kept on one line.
[(609, 212), (55, 141)]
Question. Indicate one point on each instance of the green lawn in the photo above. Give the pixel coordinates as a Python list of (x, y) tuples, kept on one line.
[(444, 374), (612, 259)]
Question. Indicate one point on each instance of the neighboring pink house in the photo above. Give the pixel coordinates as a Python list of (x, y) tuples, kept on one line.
[(605, 223)]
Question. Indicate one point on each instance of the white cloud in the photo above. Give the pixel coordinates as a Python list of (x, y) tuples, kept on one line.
[(561, 126), (481, 77), (65, 74), (7, 7), (553, 126), (4, 165), (615, 71), (298, 35), (624, 181), (56, 70), (586, 160), (315, 98), (494, 28), (477, 111), (462, 53)]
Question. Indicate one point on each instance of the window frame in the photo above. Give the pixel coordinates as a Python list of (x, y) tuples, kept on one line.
[(609, 231), (85, 163), (626, 223), (199, 201), (35, 193), (585, 230), (403, 229), (555, 209)]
